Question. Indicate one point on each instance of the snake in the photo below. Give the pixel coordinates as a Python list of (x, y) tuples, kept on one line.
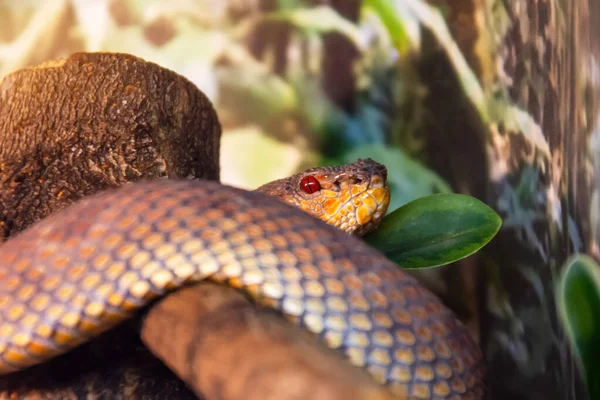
[(292, 244)]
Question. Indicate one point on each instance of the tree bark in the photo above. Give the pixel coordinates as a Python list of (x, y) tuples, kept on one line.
[(542, 55), (94, 121)]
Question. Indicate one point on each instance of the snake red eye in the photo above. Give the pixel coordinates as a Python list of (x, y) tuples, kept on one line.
[(310, 184)]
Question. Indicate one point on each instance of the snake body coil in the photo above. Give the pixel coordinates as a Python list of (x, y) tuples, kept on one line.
[(100, 120), (86, 268)]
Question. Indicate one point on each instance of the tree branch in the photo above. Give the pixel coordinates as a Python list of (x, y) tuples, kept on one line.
[(227, 348)]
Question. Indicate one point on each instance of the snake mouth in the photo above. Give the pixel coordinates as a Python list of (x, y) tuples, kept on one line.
[(360, 205)]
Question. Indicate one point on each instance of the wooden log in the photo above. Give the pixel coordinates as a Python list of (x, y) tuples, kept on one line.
[(226, 348)]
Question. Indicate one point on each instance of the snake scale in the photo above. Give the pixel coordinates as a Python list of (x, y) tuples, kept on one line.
[(90, 265)]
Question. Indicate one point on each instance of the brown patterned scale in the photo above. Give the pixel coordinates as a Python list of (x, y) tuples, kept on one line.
[(86, 268)]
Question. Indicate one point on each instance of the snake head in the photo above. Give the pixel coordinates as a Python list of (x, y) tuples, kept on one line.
[(353, 197)]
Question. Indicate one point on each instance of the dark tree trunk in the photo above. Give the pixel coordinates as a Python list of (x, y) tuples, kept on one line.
[(544, 62)]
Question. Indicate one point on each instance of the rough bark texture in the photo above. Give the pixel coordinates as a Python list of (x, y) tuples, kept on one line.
[(540, 52), (546, 55), (216, 349), (97, 121)]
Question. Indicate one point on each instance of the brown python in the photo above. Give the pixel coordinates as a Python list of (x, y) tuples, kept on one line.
[(91, 265)]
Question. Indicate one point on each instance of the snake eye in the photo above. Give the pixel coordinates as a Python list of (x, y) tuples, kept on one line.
[(310, 184)]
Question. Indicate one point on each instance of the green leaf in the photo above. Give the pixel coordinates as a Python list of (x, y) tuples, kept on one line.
[(435, 230), (578, 300), (402, 27)]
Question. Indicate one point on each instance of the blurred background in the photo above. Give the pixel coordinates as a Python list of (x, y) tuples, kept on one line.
[(495, 99), (293, 86)]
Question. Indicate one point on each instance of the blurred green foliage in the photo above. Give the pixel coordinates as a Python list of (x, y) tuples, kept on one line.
[(285, 111)]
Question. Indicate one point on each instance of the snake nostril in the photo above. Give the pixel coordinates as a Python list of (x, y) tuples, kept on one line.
[(355, 181)]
